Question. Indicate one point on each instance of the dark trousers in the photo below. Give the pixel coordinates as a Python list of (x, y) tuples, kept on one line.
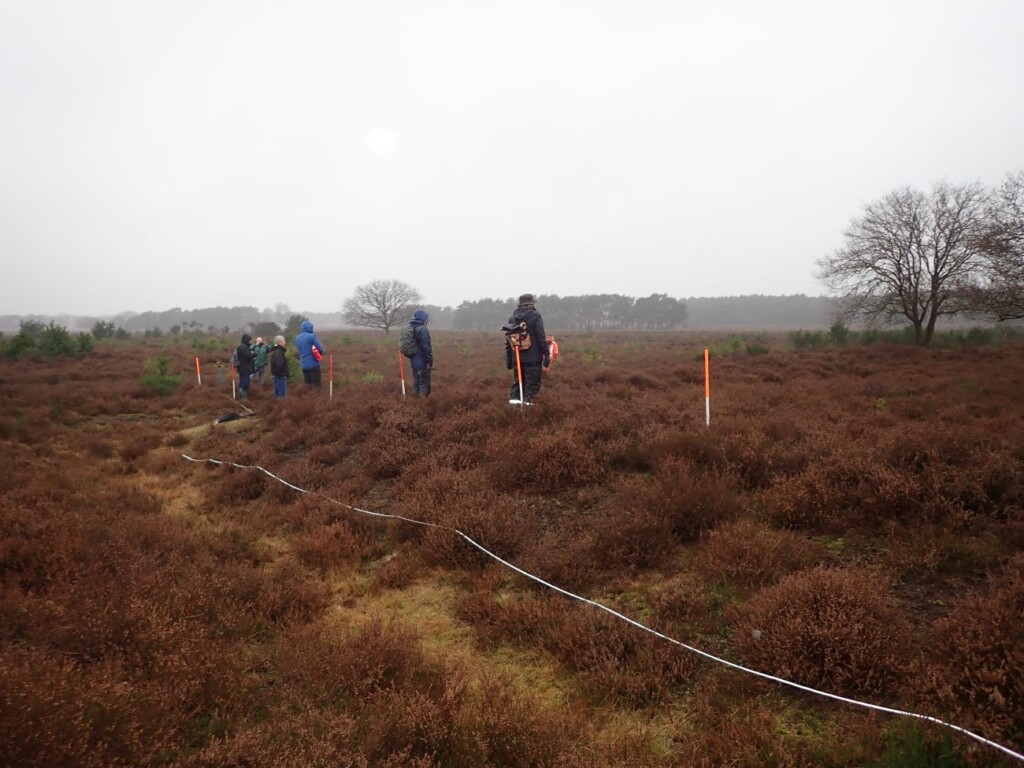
[(531, 382), (421, 382), (243, 385), (312, 376)]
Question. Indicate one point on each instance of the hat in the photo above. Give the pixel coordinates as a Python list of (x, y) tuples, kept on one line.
[(526, 298)]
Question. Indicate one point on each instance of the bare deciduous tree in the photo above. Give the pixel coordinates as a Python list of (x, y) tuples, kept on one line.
[(999, 292), (910, 255), (380, 304)]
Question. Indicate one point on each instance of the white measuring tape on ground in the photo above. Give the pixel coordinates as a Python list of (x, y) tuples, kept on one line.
[(637, 624)]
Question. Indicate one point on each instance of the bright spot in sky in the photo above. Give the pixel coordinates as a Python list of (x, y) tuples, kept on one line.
[(381, 140)]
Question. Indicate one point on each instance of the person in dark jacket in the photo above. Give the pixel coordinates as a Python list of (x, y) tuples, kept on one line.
[(530, 360), (422, 362), (245, 366), (309, 360), (279, 367)]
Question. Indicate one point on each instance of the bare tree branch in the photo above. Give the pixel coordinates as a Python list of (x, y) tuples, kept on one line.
[(999, 290), (380, 304), (909, 255)]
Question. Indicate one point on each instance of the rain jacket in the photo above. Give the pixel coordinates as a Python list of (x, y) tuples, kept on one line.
[(244, 355), (423, 359), (305, 342), (538, 351)]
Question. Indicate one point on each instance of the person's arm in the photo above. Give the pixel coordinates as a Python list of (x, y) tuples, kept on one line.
[(426, 351), (541, 338)]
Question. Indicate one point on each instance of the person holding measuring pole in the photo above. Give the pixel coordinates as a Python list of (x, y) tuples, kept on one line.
[(526, 350)]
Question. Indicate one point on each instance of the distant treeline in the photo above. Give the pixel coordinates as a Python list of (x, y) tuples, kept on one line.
[(590, 312)]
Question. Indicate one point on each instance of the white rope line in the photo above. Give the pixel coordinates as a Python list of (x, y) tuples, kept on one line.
[(638, 625)]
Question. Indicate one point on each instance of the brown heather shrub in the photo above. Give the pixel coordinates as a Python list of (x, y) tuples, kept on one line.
[(753, 555), (238, 486), (689, 498), (626, 539), (724, 727), (287, 594), (547, 462), (805, 501), (833, 629), (974, 672), (291, 736), (564, 557), (328, 547), (684, 599), (616, 662), (337, 666), (397, 571), (501, 724), (499, 524)]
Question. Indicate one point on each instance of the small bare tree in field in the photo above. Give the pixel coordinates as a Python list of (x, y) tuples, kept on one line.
[(910, 255), (380, 304), (1000, 291)]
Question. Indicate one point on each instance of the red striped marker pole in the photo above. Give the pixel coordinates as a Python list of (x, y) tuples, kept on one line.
[(330, 368), (401, 371), (707, 390), (199, 376)]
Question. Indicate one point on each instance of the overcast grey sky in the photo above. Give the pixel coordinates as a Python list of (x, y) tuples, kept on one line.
[(191, 154)]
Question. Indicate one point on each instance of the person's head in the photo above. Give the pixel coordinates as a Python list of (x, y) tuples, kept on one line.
[(420, 316), (307, 327), (259, 339), (526, 300), (246, 338), (279, 341)]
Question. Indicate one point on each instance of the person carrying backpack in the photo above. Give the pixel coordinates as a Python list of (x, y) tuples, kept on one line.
[(244, 356), (279, 367), (415, 344), (311, 351), (533, 349), (260, 352)]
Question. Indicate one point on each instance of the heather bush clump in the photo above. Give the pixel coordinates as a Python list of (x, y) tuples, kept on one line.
[(835, 629), (753, 555), (977, 672)]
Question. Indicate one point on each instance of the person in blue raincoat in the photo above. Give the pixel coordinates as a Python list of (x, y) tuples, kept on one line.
[(422, 362), (311, 351)]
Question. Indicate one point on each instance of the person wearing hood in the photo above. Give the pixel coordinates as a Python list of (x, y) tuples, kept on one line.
[(311, 351), (245, 369), (422, 363), (532, 358)]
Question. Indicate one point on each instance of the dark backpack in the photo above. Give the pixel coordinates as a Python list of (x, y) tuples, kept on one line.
[(517, 335), (407, 342)]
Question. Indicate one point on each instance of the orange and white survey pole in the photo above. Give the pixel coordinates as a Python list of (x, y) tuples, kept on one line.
[(401, 371), (707, 390), (233, 381), (330, 375), (519, 375), (199, 375)]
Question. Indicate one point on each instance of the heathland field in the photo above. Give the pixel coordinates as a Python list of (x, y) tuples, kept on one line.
[(851, 520)]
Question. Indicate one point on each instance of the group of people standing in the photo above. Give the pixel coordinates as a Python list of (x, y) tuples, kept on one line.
[(251, 359)]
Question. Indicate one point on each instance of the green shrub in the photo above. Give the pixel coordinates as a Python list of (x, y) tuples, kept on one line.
[(56, 341), (838, 333), (157, 377), (802, 339), (85, 344)]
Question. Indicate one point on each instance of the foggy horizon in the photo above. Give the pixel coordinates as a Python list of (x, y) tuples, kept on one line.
[(222, 154)]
